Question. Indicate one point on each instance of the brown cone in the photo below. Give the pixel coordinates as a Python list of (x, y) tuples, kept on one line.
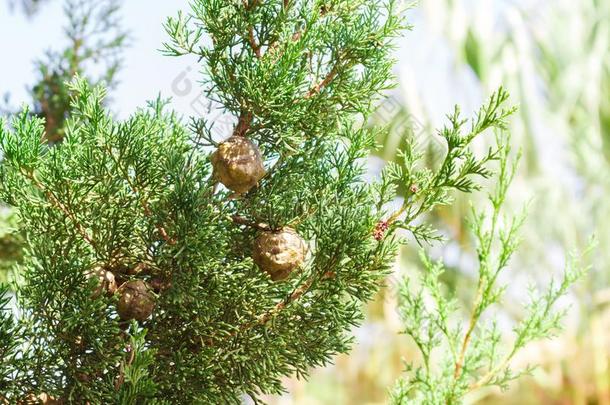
[(238, 164), (137, 301), (279, 253), (105, 279)]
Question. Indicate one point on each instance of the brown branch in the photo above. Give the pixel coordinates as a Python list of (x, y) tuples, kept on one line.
[(295, 37), (477, 308), (251, 39), (244, 123), (296, 295), (246, 117), (250, 5), (148, 213), (255, 47), (266, 317), (394, 217), (271, 51), (315, 90), (271, 313), (459, 364), (491, 373), (121, 377)]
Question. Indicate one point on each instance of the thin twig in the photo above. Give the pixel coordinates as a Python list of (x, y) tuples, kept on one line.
[(251, 39), (459, 364), (296, 294), (295, 37), (272, 49), (244, 123), (270, 314), (476, 310), (121, 377), (315, 90), (255, 47), (487, 377)]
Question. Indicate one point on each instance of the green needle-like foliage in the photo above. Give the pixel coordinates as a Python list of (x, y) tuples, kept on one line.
[(139, 199), (458, 171), (458, 358), (95, 42)]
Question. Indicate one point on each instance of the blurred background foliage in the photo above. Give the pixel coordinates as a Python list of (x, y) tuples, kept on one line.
[(10, 243), (29, 7), (554, 58)]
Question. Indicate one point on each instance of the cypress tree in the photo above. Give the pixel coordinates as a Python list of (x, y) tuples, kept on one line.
[(165, 265)]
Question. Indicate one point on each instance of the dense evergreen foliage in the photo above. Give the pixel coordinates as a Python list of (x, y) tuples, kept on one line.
[(165, 265), (138, 200)]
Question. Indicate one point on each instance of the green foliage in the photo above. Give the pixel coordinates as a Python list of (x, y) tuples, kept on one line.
[(138, 198), (8, 345), (138, 195), (301, 68), (95, 44), (460, 357), (136, 384), (77, 210), (432, 187)]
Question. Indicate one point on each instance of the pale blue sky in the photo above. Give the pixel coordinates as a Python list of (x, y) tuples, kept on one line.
[(424, 58), (146, 71)]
